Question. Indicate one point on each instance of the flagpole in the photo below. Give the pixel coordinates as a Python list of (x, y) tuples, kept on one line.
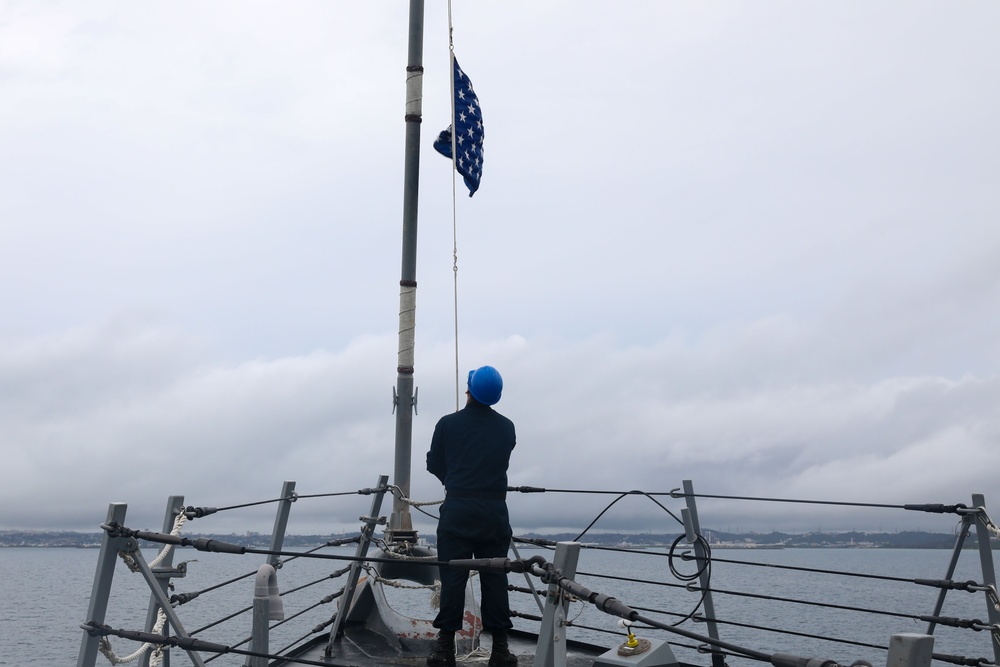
[(400, 528), (454, 199)]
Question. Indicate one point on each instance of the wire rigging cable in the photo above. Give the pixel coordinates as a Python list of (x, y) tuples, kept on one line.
[(933, 508), (192, 512), (454, 200), (702, 560)]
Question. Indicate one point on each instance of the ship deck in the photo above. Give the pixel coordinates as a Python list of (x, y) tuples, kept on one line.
[(360, 647)]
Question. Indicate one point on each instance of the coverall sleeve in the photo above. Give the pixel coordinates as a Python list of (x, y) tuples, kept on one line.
[(435, 456)]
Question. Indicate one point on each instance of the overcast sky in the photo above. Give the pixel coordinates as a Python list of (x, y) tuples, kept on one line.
[(751, 244)]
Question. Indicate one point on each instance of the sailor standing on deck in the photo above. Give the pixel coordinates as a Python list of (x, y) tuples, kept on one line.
[(469, 453)]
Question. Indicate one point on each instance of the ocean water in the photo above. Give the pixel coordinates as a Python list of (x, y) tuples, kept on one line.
[(44, 598)]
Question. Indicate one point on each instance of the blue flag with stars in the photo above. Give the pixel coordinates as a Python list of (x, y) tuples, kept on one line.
[(468, 124)]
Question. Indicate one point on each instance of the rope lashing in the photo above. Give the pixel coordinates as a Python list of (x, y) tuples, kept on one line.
[(985, 519), (398, 493), (104, 646), (436, 586), (395, 555), (416, 504), (130, 563), (179, 522)]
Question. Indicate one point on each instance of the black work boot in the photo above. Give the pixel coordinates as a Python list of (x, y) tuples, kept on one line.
[(443, 653), (500, 655)]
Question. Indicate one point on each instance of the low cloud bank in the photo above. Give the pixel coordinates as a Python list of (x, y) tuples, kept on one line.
[(136, 413)]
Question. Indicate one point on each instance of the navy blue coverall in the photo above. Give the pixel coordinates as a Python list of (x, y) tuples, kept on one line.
[(469, 453)]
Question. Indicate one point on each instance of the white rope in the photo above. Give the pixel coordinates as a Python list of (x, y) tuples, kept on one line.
[(985, 519), (398, 493), (396, 584), (156, 658), (418, 503), (130, 563), (133, 566), (104, 645), (398, 556), (478, 654), (179, 522)]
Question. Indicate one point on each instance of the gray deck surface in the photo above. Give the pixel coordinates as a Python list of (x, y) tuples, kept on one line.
[(361, 647)]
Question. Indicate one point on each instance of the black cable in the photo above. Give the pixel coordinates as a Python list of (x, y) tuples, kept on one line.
[(183, 598), (331, 543), (676, 493), (794, 633), (623, 494), (705, 567), (741, 650), (624, 550), (535, 489), (396, 490), (935, 508), (789, 500), (824, 605), (798, 568), (332, 575), (359, 492), (960, 660), (426, 513), (537, 541), (197, 512), (221, 621), (923, 507)]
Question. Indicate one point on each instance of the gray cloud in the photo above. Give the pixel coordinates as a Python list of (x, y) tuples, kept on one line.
[(754, 247)]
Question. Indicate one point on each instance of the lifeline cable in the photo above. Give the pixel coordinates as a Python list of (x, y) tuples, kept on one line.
[(183, 598), (197, 512), (190, 644), (325, 600), (247, 640), (217, 546), (933, 508), (622, 495), (969, 586), (705, 568)]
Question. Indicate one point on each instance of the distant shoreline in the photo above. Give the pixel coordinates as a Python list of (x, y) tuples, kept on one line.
[(775, 540)]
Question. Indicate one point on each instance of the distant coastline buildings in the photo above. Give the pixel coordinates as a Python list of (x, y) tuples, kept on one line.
[(716, 539)]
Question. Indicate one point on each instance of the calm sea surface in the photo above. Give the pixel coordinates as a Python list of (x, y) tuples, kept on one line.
[(44, 597)]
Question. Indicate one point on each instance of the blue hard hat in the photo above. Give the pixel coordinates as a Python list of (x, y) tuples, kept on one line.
[(485, 385)]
